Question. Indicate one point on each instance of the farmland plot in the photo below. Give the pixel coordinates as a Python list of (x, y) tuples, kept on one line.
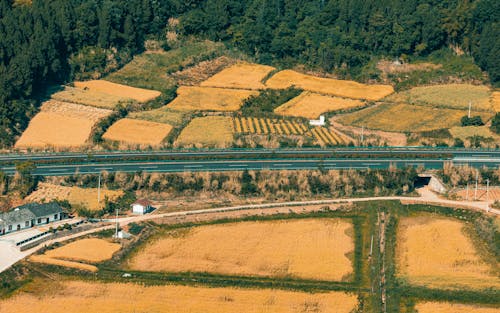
[(495, 101), (83, 297), (209, 99), (212, 131), (89, 97), (137, 132), (311, 105), (309, 249), (335, 87), (241, 75), (61, 124), (448, 307), (267, 126), (103, 86), (436, 253), (86, 197)]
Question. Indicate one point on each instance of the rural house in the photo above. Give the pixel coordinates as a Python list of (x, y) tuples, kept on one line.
[(142, 206), (29, 215), (320, 122)]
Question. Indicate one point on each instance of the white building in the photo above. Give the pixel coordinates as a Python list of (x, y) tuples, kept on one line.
[(29, 215), (320, 122), (142, 206)]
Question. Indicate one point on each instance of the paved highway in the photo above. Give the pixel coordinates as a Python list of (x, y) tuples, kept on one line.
[(251, 164)]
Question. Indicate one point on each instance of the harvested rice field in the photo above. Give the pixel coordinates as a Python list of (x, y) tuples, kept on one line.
[(266, 126), (209, 99), (89, 97), (137, 132), (61, 125), (406, 117), (309, 248), (241, 75), (326, 137), (90, 250), (448, 307), (103, 86), (76, 196), (208, 131), (335, 87), (469, 131), (161, 115), (83, 297), (437, 253), (312, 105), (454, 96)]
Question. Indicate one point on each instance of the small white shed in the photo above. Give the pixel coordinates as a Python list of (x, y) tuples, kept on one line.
[(320, 122), (142, 206)]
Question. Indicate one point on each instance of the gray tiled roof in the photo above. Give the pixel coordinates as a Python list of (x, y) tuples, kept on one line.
[(16, 217), (42, 209)]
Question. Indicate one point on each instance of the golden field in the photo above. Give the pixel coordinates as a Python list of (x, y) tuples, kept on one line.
[(209, 99), (212, 131), (325, 136), (92, 250), (312, 105), (436, 252), (61, 124), (266, 126), (310, 249), (406, 117), (469, 131), (83, 297), (64, 263), (241, 75), (86, 197), (161, 115), (335, 87), (89, 97), (137, 132), (495, 100), (455, 96), (138, 94), (448, 307)]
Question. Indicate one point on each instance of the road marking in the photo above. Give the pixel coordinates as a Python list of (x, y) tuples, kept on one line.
[(104, 168), (283, 164), (371, 164), (57, 170), (193, 165), (238, 165), (148, 167)]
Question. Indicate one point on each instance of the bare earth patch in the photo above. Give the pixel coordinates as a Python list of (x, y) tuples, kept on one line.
[(86, 197), (310, 249), (212, 131), (389, 67), (241, 75), (447, 307), (83, 297), (311, 105), (335, 87), (209, 99), (436, 252), (137, 132), (139, 94), (61, 124), (194, 75)]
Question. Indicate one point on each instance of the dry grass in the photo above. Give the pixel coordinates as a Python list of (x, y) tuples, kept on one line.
[(137, 132), (492, 195), (211, 131), (161, 115), (495, 100), (455, 96), (406, 117), (89, 97), (61, 124), (311, 249), (241, 75), (86, 197), (82, 297), (139, 94), (194, 75), (435, 252), (92, 250), (209, 99), (50, 261), (469, 131), (342, 88), (447, 307), (311, 105)]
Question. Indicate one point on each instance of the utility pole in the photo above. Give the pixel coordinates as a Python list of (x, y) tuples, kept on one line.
[(470, 105), (116, 227), (362, 134), (487, 190), (467, 192), (475, 191)]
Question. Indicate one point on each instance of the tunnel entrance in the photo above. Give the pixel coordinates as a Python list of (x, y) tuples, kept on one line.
[(422, 181)]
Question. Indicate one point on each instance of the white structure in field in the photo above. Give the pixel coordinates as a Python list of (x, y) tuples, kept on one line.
[(142, 206), (320, 122), (30, 215)]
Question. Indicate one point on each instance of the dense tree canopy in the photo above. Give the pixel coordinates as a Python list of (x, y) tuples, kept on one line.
[(51, 40)]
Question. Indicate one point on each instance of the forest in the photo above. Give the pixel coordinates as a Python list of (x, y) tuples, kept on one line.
[(49, 42)]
